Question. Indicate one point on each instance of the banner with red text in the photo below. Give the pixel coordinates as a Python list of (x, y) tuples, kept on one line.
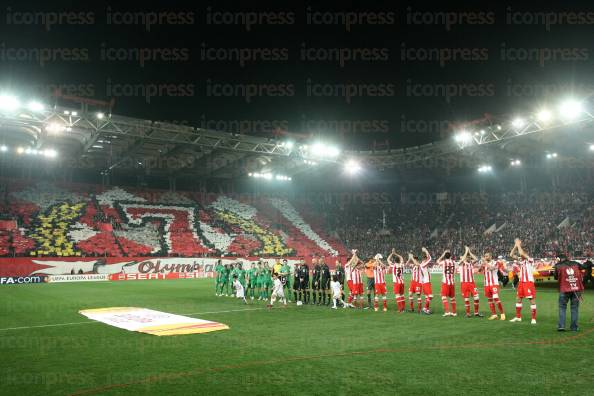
[(25, 266)]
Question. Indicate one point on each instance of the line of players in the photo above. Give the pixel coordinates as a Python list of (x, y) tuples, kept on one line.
[(326, 287), (420, 284), (261, 280)]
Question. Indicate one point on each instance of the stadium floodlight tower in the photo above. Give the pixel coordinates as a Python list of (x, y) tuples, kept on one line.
[(570, 112)]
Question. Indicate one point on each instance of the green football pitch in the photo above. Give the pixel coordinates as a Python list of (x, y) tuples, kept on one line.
[(48, 348)]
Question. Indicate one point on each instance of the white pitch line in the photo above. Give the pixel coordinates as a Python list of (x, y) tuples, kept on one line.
[(95, 322), (47, 325)]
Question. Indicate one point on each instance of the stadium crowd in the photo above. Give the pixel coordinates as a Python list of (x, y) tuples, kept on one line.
[(547, 222)]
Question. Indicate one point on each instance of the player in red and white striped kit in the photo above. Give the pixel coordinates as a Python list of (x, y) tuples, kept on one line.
[(425, 279), (352, 271), (379, 276), (415, 285), (467, 285), (397, 268), (526, 287), (448, 288), (490, 269)]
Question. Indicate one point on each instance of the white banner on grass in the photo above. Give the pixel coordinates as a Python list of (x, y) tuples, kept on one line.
[(151, 322)]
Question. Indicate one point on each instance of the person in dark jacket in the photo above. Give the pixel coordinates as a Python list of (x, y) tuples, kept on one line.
[(588, 273), (569, 275)]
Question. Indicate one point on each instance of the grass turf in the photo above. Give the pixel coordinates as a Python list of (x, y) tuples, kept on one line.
[(298, 350)]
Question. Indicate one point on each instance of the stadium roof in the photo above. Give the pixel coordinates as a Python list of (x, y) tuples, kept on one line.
[(106, 142)]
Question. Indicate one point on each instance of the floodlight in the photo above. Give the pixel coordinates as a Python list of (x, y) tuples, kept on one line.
[(54, 127), (100, 116), (50, 153), (35, 106), (544, 115), (463, 137), (518, 123), (352, 167), (3, 148), (9, 103), (333, 151), (570, 109)]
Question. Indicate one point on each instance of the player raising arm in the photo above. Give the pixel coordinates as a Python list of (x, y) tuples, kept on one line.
[(396, 268), (467, 285), (415, 286), (352, 270), (425, 279), (526, 287), (448, 287), (379, 276), (492, 285)]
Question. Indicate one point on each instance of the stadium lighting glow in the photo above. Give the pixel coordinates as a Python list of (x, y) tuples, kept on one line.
[(485, 168), (551, 155), (66, 112), (463, 137), (20, 150), (518, 123), (50, 153), (100, 116), (289, 145), (482, 131), (3, 148), (515, 163), (74, 113), (592, 147), (54, 127), (352, 167), (269, 176), (35, 106), (544, 115), (570, 109), (9, 103), (323, 150), (498, 127)]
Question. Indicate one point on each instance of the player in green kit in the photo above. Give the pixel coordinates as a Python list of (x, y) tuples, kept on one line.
[(252, 275), (241, 274), (260, 281), (225, 280), (219, 277), (285, 274), (267, 279)]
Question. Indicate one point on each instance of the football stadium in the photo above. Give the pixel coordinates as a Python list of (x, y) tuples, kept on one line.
[(259, 212)]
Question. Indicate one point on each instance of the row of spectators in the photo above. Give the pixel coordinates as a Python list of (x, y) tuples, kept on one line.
[(546, 223)]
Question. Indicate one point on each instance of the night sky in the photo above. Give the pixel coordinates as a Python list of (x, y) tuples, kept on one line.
[(357, 73)]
